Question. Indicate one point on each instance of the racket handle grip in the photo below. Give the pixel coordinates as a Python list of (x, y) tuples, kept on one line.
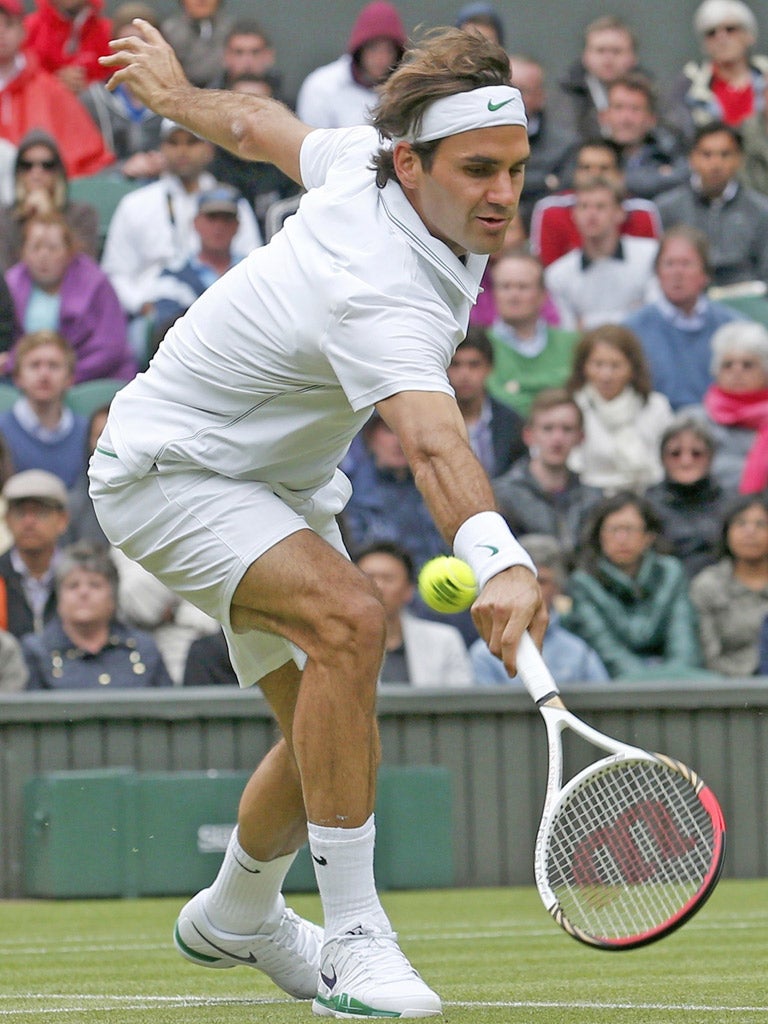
[(536, 676)]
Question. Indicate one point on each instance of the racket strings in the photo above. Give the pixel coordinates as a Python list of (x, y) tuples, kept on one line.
[(629, 847)]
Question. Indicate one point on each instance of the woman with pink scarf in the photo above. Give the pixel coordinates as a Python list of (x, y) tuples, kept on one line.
[(736, 406)]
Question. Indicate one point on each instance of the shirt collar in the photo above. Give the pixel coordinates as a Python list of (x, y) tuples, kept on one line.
[(692, 321), (24, 413), (464, 276), (726, 196), (617, 254)]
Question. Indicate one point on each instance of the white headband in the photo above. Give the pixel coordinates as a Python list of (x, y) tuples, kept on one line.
[(489, 107)]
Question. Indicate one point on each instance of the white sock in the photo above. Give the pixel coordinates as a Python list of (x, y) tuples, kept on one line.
[(246, 892), (343, 862)]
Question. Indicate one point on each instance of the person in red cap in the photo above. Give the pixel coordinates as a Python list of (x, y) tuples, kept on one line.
[(68, 37), (342, 93), (30, 97)]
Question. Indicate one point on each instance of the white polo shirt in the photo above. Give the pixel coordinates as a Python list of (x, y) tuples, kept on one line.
[(278, 364)]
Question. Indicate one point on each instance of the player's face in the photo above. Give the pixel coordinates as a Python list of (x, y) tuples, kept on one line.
[(467, 374), (624, 538), (608, 370), (686, 459), (681, 273), (43, 374), (716, 159), (628, 116), (553, 435), (85, 598), (608, 54), (390, 577), (470, 194)]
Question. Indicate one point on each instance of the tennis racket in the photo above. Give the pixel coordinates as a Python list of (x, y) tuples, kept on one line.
[(630, 847)]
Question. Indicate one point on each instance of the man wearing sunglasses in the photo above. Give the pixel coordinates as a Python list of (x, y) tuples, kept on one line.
[(729, 85)]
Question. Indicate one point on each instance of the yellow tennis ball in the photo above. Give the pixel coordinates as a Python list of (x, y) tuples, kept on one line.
[(447, 584)]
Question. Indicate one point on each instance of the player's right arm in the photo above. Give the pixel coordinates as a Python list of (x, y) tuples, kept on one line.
[(252, 127)]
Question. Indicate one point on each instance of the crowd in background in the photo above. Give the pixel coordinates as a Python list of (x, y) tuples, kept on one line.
[(613, 381)]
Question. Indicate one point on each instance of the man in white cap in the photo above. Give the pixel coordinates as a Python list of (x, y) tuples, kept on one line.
[(37, 516), (217, 471)]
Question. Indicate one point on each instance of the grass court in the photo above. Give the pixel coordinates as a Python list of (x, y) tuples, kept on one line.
[(494, 956)]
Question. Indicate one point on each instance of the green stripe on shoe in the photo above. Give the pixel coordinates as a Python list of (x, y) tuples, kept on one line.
[(347, 1004), (193, 953)]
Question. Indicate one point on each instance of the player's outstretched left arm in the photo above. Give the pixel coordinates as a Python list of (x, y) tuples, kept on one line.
[(253, 127), (460, 498)]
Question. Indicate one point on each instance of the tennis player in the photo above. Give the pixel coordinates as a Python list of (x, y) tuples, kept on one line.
[(217, 471)]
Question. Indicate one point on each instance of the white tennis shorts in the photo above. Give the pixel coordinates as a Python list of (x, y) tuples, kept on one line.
[(198, 533)]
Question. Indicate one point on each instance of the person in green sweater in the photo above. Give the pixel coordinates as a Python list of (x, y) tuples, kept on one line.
[(630, 603), (529, 354)]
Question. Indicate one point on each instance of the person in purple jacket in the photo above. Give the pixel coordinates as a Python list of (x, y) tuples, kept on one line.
[(54, 287)]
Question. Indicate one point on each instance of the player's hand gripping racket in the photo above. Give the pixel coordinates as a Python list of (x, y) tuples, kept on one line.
[(631, 846)]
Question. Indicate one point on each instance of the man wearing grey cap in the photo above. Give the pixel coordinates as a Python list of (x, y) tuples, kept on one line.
[(217, 471), (153, 227), (37, 517)]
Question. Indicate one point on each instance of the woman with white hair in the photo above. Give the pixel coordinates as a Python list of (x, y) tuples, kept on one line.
[(736, 406), (729, 85)]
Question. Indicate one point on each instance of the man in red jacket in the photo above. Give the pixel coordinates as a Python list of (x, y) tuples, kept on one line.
[(68, 37), (32, 98)]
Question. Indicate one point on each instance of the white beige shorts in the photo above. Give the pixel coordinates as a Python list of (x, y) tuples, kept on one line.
[(198, 533)]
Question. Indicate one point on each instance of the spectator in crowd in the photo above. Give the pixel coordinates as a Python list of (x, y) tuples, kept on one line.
[(623, 417), (208, 662), (145, 603), (553, 228), (732, 216), (484, 310), (630, 603), (56, 288), (735, 406), (540, 494), (653, 157), (689, 502), (552, 145), (262, 184), (39, 430), (83, 524), (85, 645), (728, 85), (568, 657), (248, 50), (754, 134), (386, 503), (40, 187), (7, 320), (36, 514), (68, 37), (32, 98), (416, 652), (130, 130), (495, 431), (611, 274), (13, 668), (342, 93), (176, 288), (731, 597), (197, 34), (610, 51), (676, 328), (152, 227), (7, 469), (482, 18), (528, 353)]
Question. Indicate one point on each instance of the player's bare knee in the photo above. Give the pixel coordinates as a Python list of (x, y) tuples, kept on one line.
[(353, 628)]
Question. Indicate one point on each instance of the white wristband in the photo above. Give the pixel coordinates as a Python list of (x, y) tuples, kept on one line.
[(487, 544)]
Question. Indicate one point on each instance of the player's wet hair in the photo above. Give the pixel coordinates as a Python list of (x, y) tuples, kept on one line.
[(446, 62)]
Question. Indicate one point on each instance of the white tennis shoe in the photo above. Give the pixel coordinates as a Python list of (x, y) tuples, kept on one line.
[(288, 951), (363, 973)]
